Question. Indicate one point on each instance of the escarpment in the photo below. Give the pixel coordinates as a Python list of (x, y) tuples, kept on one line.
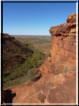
[(63, 50), (14, 52), (58, 81)]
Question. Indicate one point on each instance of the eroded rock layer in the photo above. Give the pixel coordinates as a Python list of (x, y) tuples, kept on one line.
[(63, 51), (49, 89)]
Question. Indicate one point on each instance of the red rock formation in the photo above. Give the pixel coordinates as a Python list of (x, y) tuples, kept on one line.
[(63, 51), (6, 36), (51, 88), (71, 18)]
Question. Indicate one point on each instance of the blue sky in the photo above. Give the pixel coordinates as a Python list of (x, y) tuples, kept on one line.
[(34, 18)]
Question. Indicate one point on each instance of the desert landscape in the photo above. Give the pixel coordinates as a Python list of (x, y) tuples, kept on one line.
[(41, 69), (26, 53)]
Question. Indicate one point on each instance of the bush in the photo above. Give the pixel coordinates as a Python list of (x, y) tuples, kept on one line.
[(28, 69), (65, 69)]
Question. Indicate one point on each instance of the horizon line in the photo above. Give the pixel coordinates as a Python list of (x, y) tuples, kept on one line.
[(26, 34), (29, 35)]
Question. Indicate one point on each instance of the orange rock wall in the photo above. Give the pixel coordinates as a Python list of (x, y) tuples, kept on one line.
[(63, 51)]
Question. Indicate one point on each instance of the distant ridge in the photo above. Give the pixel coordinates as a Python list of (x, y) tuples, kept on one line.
[(13, 51), (32, 35)]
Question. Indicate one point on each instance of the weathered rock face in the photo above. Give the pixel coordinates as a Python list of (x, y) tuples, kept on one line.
[(52, 88), (63, 51), (71, 18), (49, 89)]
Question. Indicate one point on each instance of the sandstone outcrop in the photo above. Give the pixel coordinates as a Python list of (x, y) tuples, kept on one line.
[(71, 18), (49, 89), (58, 81), (63, 51)]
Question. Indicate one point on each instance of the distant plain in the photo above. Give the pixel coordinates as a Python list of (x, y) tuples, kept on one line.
[(43, 43)]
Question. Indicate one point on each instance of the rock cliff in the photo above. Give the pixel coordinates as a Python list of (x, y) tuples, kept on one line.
[(58, 82), (63, 51)]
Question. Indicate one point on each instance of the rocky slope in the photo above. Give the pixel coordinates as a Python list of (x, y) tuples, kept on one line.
[(14, 52), (21, 61), (49, 89), (58, 82)]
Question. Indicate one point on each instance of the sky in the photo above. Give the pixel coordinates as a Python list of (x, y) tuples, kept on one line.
[(34, 18)]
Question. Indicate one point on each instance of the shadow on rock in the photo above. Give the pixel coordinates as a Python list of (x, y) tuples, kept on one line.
[(8, 96)]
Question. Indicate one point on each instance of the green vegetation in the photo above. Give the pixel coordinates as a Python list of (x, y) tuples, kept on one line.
[(43, 43), (23, 72), (65, 69), (62, 69), (22, 58)]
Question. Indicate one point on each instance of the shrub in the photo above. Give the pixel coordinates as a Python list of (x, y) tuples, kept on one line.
[(28, 69), (65, 69)]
